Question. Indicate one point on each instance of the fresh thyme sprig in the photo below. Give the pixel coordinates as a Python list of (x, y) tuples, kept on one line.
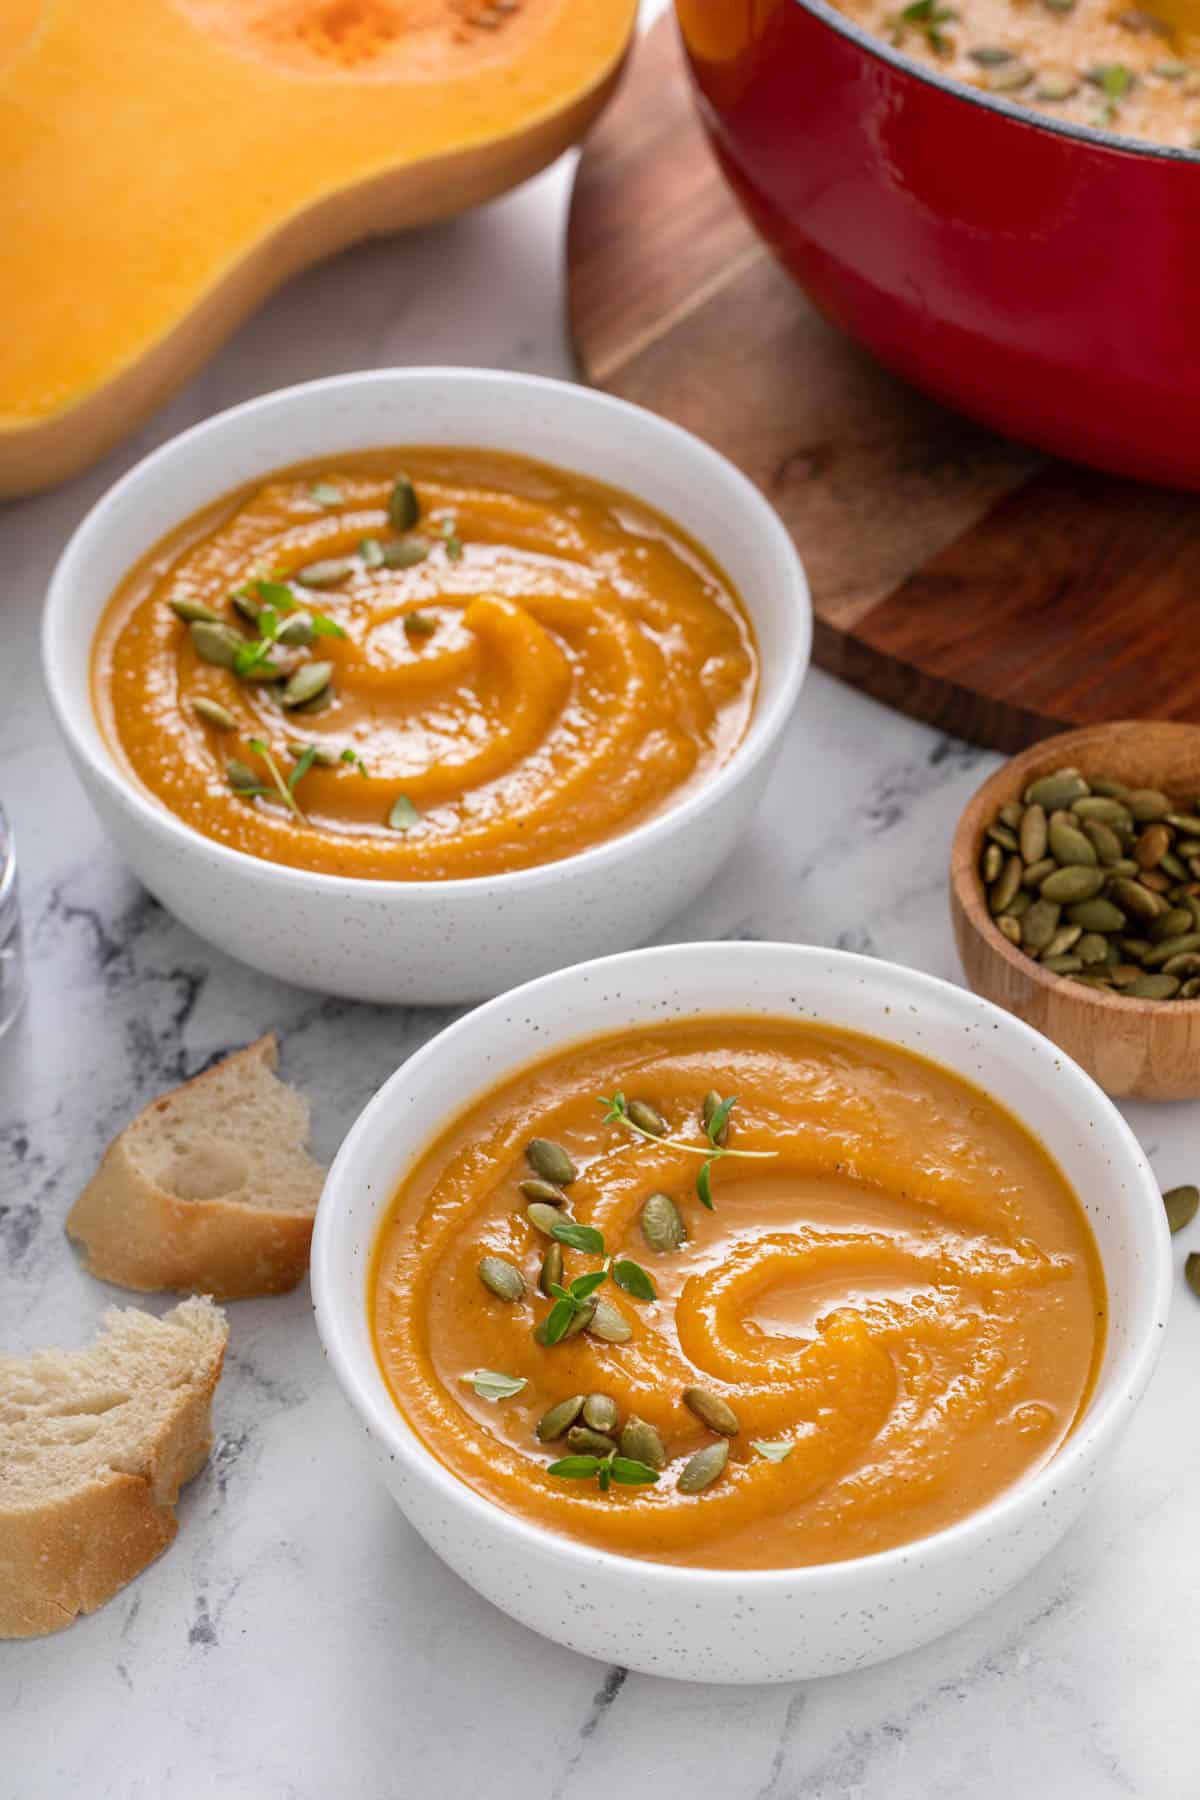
[(715, 1124), (274, 600), (625, 1470), (928, 16), (569, 1302), (282, 788)]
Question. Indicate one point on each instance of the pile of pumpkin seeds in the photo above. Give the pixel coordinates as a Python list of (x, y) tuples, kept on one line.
[(1099, 882)]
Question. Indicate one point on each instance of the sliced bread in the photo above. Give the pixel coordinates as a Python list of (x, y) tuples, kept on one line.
[(210, 1190), (94, 1447)]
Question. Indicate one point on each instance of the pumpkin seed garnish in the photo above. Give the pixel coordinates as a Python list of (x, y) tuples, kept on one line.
[(702, 1469), (1181, 1204), (550, 1161), (371, 551), (403, 508), (617, 1109), (537, 1189), (774, 1452), (1191, 1272), (552, 1270), (662, 1224), (329, 571), (419, 625), (601, 1413), (193, 612), (213, 713), (297, 632), (491, 1385), (590, 1443), (542, 1217), (402, 815), (559, 1420), (609, 1323), (502, 1278), (714, 1412), (281, 787), (641, 1442), (243, 780), (215, 644), (309, 680), (326, 494), (406, 553), (648, 1121)]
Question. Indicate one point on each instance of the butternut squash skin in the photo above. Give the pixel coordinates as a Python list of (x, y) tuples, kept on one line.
[(163, 177)]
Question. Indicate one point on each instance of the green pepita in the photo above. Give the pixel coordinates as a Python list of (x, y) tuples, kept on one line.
[(214, 714), (1066, 938), (1010, 927), (711, 1410), (550, 1161), (1171, 924), (1181, 1204), (502, 1278), (1003, 891), (406, 553), (1072, 884), (1033, 834), (1191, 1272), (662, 1224), (559, 1420), (1153, 987), (609, 1323), (1096, 915), (403, 506), (1147, 804), (215, 644), (1055, 790), (1040, 924), (1068, 844), (1037, 872), (1109, 812), (1103, 840), (309, 680), (701, 1470), (1137, 899), (646, 1118), (329, 572), (536, 1189), (193, 612), (585, 1442), (402, 814), (641, 1442), (1161, 953), (1003, 837), (551, 1275), (296, 631), (993, 862), (371, 551), (543, 1218), (601, 1413), (1061, 965), (1092, 947)]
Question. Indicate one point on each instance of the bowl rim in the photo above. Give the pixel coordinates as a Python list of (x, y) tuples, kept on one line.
[(968, 888), (1092, 1435), (1095, 135), (767, 720)]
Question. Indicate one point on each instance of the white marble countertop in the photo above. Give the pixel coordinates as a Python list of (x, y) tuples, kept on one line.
[(299, 1639)]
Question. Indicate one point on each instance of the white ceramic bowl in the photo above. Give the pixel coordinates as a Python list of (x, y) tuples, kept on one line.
[(778, 1625), (432, 941)]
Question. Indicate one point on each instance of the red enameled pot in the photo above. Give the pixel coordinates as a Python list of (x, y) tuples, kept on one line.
[(1042, 277)]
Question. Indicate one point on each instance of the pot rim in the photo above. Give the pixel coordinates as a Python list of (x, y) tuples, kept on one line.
[(1093, 135)]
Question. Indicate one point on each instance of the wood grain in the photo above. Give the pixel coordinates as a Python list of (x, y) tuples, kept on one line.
[(1135, 1049), (956, 576)]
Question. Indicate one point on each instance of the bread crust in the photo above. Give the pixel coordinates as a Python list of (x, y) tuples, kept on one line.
[(140, 1236), (68, 1556)]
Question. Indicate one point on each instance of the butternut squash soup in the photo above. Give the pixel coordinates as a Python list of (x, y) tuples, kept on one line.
[(738, 1293), (1124, 68), (424, 664)]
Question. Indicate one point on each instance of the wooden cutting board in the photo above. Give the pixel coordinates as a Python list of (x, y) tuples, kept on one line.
[(961, 578)]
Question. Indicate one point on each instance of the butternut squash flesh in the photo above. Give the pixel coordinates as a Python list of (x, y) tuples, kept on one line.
[(163, 177)]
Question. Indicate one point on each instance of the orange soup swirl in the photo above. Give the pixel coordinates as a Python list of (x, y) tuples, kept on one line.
[(895, 1299), (424, 664)]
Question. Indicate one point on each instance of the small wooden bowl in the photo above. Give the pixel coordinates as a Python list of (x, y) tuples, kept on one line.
[(1135, 1049)]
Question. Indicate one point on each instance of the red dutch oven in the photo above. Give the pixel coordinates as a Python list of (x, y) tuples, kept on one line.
[(1042, 277)]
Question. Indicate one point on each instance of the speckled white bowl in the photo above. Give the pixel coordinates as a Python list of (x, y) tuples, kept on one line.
[(432, 941), (779, 1625)]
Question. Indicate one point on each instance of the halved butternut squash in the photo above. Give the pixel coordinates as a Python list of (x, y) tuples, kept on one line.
[(168, 165)]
